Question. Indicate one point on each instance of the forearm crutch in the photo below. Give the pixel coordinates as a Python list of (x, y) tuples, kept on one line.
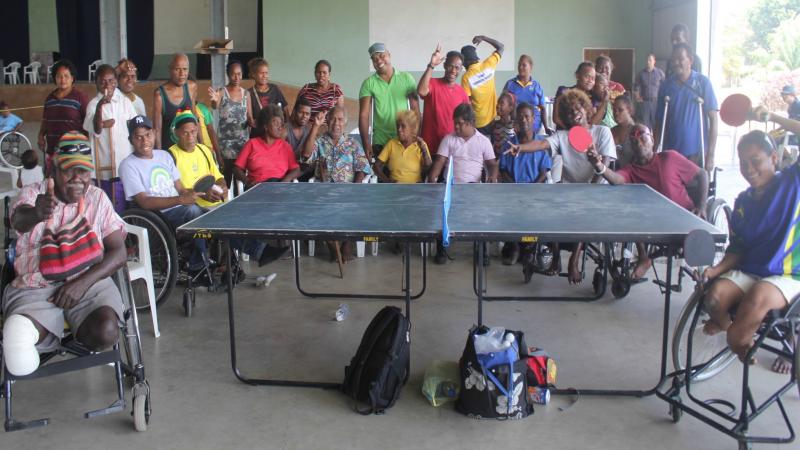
[(663, 124), (699, 101)]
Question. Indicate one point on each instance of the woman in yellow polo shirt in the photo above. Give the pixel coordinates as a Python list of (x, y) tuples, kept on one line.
[(407, 155)]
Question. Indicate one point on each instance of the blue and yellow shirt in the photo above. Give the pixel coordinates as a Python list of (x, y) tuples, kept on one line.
[(765, 231)]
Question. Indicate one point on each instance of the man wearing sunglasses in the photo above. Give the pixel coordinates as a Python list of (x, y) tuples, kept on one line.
[(669, 173), (57, 279)]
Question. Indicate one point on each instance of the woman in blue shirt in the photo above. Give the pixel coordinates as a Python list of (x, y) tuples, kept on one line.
[(761, 268), (527, 90)]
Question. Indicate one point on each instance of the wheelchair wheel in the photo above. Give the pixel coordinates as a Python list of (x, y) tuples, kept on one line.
[(12, 146), (704, 347), (163, 253), (718, 214), (141, 406), (599, 281)]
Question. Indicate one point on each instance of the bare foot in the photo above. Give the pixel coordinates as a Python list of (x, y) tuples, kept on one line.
[(711, 328), (574, 271), (781, 365), (642, 266)]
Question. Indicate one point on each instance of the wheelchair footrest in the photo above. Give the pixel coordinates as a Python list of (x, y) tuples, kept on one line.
[(13, 425), (663, 285), (117, 406)]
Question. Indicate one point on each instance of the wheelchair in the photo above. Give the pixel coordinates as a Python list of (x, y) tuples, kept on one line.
[(12, 145), (718, 213), (125, 356), (169, 256), (698, 357)]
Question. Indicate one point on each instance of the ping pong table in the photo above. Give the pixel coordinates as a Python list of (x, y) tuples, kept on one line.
[(477, 212)]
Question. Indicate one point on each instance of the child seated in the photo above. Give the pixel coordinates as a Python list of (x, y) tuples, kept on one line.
[(31, 172)]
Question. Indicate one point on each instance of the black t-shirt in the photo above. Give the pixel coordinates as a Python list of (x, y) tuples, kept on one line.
[(262, 99)]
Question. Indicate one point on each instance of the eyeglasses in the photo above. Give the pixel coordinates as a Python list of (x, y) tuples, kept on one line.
[(82, 149)]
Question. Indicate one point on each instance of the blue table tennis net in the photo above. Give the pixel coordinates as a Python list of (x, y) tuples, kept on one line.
[(448, 195)]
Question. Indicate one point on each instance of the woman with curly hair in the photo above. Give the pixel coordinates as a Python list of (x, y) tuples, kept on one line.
[(574, 107)]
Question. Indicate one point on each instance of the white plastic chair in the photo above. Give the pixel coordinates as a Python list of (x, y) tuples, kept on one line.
[(14, 189), (93, 68), (11, 72), (142, 269), (31, 72), (49, 75)]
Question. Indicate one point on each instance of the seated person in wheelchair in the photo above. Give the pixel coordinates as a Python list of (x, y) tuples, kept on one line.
[(195, 161), (8, 122), (574, 109), (152, 182), (669, 173), (760, 271), (472, 154), (524, 168), (407, 156), (60, 279)]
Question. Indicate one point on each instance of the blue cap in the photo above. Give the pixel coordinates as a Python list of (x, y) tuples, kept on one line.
[(377, 47), (788, 90)]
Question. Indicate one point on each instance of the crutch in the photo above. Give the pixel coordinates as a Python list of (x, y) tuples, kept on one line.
[(663, 124), (699, 101)]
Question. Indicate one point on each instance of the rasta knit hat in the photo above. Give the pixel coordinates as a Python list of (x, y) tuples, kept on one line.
[(74, 152), (181, 117)]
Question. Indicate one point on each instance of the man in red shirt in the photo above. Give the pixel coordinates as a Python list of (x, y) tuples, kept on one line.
[(441, 96), (267, 157), (669, 173)]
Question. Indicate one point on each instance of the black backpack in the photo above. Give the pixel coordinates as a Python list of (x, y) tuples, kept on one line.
[(380, 367)]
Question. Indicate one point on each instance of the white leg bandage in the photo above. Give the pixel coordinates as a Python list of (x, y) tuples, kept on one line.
[(19, 345)]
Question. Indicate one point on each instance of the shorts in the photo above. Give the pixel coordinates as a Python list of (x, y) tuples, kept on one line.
[(789, 287), (33, 303)]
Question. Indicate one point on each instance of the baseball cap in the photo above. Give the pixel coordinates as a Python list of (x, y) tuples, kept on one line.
[(470, 54), (377, 47), (139, 122), (788, 90)]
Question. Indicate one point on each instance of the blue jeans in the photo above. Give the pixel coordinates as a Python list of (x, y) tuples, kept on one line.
[(252, 247), (179, 215)]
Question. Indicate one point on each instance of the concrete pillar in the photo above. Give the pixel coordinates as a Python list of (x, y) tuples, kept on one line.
[(113, 31), (219, 30)]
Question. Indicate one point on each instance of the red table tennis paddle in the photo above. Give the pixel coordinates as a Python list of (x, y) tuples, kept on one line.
[(579, 138), (735, 109)]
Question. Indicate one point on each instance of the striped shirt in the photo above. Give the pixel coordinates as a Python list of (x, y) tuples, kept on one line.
[(320, 101), (99, 213), (63, 114)]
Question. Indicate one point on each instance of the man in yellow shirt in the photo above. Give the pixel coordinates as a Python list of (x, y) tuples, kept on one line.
[(195, 161), (478, 81)]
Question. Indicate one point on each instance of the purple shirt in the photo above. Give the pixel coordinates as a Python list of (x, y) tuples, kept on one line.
[(468, 156)]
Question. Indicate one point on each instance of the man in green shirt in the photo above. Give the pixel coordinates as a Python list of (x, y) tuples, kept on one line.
[(387, 91)]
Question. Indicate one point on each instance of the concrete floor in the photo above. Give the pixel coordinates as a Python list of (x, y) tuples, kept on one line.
[(197, 402)]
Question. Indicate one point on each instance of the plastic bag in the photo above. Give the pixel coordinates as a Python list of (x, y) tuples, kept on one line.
[(441, 383)]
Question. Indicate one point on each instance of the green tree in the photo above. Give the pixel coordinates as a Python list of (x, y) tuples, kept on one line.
[(766, 16), (785, 42)]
